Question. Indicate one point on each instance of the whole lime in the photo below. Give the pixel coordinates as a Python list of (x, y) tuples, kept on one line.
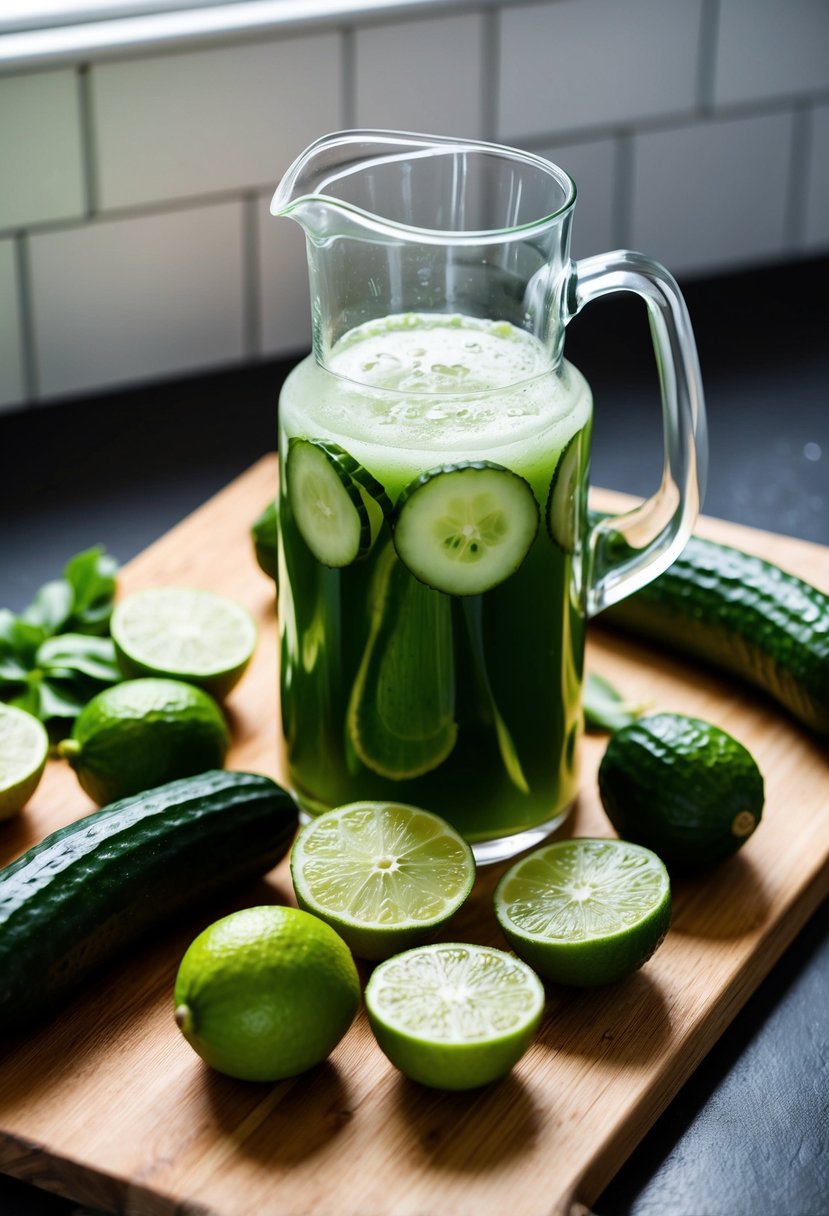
[(143, 733), (266, 993), (682, 787)]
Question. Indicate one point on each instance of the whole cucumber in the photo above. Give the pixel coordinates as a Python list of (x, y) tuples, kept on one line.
[(91, 888), (742, 614)]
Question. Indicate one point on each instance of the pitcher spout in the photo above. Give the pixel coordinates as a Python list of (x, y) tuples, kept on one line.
[(332, 186), (397, 222)]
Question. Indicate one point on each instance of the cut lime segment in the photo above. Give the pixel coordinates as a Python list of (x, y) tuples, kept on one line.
[(386, 876), (464, 528), (184, 634), (585, 912), (24, 747), (338, 506), (454, 1016)]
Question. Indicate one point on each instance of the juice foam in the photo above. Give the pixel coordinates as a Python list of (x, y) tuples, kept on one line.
[(411, 391)]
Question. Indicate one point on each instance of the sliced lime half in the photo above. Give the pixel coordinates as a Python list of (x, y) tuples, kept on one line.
[(384, 875), (454, 1016), (24, 747), (583, 911), (184, 634)]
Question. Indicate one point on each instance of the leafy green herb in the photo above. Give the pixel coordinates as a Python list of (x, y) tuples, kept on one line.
[(605, 710), (54, 656)]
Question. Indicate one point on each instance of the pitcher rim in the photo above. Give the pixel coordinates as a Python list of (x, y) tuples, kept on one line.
[(282, 204)]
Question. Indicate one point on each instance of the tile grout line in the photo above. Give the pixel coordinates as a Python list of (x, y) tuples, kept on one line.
[(623, 188), (709, 32), (251, 278), (348, 86), (89, 165), (490, 43), (25, 301)]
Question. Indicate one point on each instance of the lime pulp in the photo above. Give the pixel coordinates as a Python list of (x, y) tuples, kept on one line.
[(585, 912), (185, 634), (24, 747), (454, 1016), (385, 875)]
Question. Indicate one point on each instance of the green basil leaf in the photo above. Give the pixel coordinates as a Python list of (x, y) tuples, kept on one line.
[(605, 710), (29, 700), (60, 700), (7, 623), (25, 639), (77, 653), (51, 606), (91, 574), (11, 672)]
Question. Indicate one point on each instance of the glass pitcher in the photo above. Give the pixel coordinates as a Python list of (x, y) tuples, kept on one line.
[(437, 563)]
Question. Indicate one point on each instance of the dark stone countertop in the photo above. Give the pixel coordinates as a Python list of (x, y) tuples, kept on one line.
[(748, 1135)]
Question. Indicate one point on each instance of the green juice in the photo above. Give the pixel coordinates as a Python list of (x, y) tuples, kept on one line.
[(465, 704)]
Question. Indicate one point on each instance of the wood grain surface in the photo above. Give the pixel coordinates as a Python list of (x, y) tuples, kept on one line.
[(106, 1103)]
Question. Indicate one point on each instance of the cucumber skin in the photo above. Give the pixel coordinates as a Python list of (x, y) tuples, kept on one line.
[(90, 889), (744, 615)]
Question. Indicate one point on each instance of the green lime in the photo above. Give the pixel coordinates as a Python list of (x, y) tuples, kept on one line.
[(185, 634), (264, 532), (384, 875), (585, 912), (266, 993), (24, 746), (143, 733), (454, 1016), (681, 787)]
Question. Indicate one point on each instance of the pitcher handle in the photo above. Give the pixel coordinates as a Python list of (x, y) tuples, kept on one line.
[(657, 529)]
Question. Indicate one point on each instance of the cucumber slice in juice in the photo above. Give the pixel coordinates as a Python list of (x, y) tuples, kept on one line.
[(561, 500), (464, 528), (400, 721), (338, 506)]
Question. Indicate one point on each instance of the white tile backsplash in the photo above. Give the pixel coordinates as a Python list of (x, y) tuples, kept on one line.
[(284, 306), (11, 354), (712, 194), (582, 63), (181, 125), (816, 218), (592, 165), (696, 130), (421, 76), (771, 48), (138, 298), (41, 162)]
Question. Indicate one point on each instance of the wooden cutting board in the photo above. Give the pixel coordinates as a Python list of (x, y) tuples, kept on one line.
[(107, 1104)]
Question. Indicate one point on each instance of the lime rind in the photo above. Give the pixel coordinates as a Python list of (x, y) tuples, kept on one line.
[(384, 875), (24, 749), (266, 993), (454, 1015), (585, 912), (184, 633)]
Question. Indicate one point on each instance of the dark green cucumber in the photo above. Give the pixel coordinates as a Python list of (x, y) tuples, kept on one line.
[(92, 888), (744, 615)]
